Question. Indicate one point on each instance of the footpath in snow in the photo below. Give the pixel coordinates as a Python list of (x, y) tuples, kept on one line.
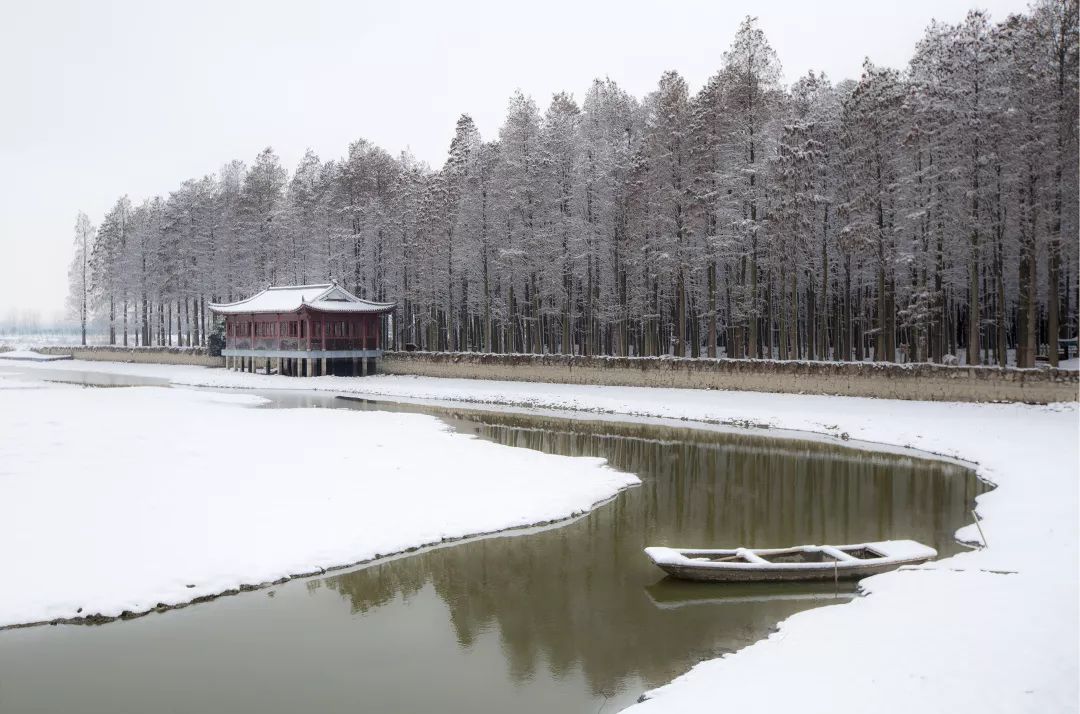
[(115, 500), (995, 629)]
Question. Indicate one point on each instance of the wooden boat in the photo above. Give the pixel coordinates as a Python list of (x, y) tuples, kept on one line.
[(801, 563)]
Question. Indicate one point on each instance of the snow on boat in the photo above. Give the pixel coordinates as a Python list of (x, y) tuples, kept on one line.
[(801, 563)]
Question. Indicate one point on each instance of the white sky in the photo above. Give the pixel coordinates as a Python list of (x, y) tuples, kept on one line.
[(98, 99)]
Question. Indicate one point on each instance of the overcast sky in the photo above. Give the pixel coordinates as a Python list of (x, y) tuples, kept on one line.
[(100, 99)]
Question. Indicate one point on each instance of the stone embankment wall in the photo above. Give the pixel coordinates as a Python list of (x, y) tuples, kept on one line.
[(158, 355), (890, 381)]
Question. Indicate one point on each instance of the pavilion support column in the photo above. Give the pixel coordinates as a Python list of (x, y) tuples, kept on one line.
[(363, 366), (324, 366), (310, 367)]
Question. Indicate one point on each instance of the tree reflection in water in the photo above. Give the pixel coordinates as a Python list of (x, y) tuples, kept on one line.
[(584, 596)]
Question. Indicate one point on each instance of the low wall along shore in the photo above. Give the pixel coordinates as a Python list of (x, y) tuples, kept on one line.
[(930, 382), (890, 381), (159, 355)]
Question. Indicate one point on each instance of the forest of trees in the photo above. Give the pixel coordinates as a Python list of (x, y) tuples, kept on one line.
[(928, 213)]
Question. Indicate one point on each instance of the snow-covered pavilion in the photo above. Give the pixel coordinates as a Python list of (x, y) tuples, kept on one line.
[(304, 330)]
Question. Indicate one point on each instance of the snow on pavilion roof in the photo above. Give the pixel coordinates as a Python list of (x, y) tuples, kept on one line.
[(326, 297)]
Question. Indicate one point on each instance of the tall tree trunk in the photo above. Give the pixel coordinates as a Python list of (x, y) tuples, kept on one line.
[(711, 314), (754, 317), (680, 314)]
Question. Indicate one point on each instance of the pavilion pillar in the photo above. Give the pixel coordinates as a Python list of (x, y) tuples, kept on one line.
[(310, 367), (324, 366), (268, 365), (363, 366)]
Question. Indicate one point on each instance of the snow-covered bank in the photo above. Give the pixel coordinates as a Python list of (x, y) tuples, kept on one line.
[(990, 630), (116, 500), (32, 356)]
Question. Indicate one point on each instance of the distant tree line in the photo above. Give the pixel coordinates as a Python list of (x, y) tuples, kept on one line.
[(910, 215)]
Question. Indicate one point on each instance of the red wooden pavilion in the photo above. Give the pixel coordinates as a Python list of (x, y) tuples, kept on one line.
[(304, 330)]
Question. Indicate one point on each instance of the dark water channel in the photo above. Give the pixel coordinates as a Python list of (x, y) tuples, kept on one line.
[(570, 618)]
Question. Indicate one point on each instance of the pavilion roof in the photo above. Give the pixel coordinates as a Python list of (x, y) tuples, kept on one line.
[(324, 297)]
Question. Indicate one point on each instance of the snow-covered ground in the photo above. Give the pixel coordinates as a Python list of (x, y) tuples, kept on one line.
[(32, 356), (17, 339), (116, 500), (991, 630)]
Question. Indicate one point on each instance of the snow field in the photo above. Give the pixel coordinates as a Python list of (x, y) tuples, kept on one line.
[(992, 630), (116, 500)]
